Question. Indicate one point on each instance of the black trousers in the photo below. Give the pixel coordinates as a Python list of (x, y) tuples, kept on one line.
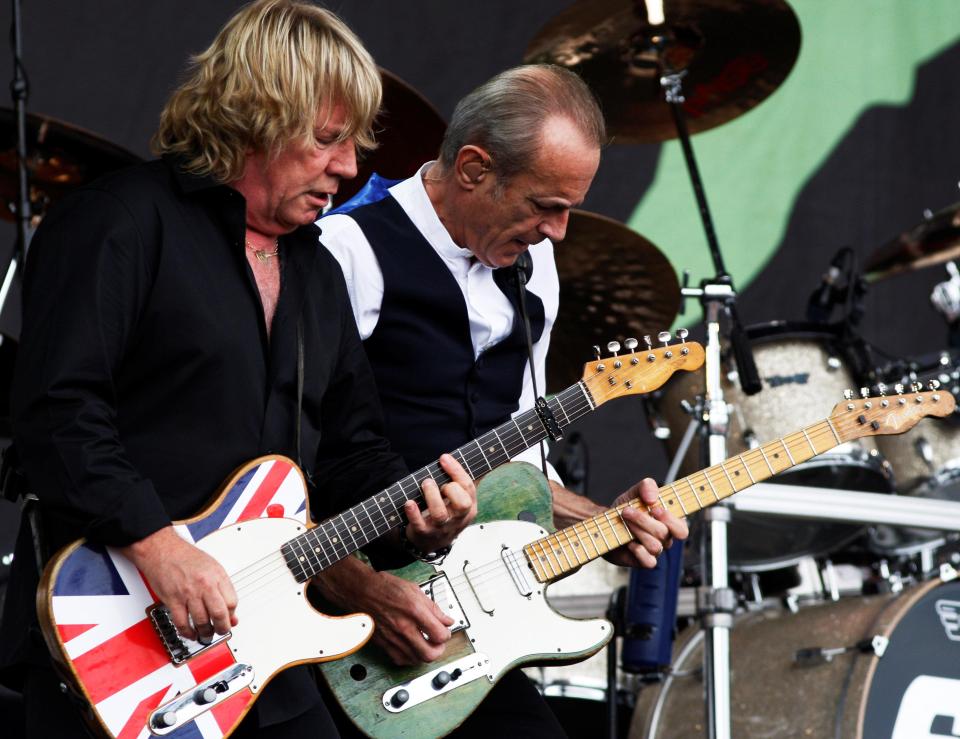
[(513, 708), (51, 713)]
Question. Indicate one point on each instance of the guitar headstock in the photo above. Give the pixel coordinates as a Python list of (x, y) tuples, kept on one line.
[(889, 414), (637, 371)]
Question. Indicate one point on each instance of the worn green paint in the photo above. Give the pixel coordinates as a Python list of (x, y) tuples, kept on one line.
[(855, 54), (503, 494)]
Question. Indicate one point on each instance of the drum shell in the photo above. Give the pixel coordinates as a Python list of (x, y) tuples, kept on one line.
[(901, 451), (804, 375), (772, 696)]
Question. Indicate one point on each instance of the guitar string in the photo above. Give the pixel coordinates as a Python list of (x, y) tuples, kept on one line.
[(576, 390), (694, 502), (472, 462), (604, 526), (496, 570)]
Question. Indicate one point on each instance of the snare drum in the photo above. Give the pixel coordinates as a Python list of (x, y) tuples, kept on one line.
[(912, 691), (804, 375)]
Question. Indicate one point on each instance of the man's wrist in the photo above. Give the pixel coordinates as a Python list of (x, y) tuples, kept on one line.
[(414, 551)]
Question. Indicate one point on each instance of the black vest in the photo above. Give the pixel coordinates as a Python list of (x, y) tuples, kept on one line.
[(435, 396)]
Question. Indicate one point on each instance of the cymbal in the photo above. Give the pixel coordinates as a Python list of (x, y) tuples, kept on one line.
[(614, 284), (409, 131), (935, 241), (60, 157), (735, 53)]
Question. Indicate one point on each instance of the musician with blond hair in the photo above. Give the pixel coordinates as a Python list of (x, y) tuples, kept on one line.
[(180, 320)]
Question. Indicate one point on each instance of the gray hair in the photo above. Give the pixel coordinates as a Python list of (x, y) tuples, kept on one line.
[(505, 116)]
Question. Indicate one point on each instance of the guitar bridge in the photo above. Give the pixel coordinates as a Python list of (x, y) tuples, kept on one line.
[(179, 648), (438, 590)]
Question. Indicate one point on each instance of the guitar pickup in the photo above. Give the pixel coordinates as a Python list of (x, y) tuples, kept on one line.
[(436, 682), (202, 697), (438, 590)]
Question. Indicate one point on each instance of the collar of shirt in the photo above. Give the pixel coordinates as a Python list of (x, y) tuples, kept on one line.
[(412, 196)]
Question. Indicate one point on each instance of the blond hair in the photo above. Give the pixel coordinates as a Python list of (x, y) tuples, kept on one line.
[(261, 84)]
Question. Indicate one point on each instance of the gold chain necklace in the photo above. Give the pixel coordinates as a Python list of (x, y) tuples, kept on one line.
[(263, 255)]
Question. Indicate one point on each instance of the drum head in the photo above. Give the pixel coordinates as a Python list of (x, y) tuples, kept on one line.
[(915, 688)]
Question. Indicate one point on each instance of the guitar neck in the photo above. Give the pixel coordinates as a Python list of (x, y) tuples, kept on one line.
[(340, 536), (564, 551)]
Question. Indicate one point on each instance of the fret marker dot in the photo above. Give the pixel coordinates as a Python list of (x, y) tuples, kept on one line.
[(736, 473), (492, 449), (393, 518), (303, 559), (353, 528), (529, 428), (776, 455), (701, 488), (335, 540), (382, 499), (670, 502), (316, 549)]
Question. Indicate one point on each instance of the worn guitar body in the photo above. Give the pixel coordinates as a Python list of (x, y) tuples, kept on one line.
[(501, 613), (101, 625)]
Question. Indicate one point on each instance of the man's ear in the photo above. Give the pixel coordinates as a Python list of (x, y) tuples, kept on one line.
[(472, 164)]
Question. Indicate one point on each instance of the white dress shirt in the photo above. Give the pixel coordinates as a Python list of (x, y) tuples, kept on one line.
[(490, 312)]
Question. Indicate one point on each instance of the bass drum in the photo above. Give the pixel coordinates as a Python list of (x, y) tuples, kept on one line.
[(912, 691), (804, 374)]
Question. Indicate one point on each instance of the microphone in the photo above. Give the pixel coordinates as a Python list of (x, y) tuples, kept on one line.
[(821, 301)]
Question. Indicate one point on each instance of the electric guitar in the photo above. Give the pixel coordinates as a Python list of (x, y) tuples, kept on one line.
[(494, 579), (119, 649)]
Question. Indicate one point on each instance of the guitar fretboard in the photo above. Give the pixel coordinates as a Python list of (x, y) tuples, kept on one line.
[(346, 533), (566, 550)]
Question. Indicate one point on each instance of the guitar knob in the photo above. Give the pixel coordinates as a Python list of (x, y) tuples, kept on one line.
[(441, 679), (205, 696), (399, 698), (165, 720)]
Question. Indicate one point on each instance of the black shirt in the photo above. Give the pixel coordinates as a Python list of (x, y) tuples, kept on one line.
[(145, 375)]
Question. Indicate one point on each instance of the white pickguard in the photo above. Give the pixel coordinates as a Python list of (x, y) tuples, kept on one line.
[(520, 627), (277, 626)]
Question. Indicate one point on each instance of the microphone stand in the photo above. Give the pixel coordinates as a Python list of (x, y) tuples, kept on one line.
[(716, 601), (19, 90)]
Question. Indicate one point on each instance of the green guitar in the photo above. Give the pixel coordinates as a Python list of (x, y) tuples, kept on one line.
[(494, 579)]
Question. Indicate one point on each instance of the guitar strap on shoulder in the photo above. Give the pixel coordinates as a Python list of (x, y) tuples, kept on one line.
[(523, 268), (297, 426)]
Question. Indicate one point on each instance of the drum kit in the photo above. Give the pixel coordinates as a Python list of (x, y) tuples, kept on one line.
[(857, 578)]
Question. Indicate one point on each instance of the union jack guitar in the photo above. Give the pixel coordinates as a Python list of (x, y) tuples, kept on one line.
[(120, 650)]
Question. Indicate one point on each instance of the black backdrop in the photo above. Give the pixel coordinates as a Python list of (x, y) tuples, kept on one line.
[(108, 65)]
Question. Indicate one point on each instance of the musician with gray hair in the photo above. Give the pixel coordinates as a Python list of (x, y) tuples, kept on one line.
[(167, 311), (428, 264)]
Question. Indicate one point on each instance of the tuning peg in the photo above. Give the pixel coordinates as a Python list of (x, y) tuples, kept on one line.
[(664, 337), (882, 389), (646, 340), (631, 344), (848, 394), (899, 388), (596, 351), (934, 384), (682, 334), (864, 392), (613, 347), (916, 387)]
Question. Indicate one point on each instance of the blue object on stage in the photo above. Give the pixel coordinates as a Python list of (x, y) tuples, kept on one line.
[(651, 613)]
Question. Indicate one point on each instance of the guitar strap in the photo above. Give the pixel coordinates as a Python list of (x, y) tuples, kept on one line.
[(297, 428)]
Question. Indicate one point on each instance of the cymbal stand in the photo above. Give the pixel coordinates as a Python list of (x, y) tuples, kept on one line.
[(716, 600)]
